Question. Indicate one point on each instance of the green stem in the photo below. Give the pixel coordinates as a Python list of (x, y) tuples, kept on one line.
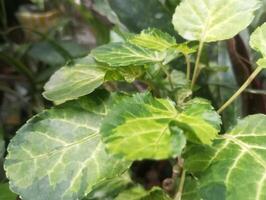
[(188, 66), (241, 89), (178, 195), (197, 65), (168, 77)]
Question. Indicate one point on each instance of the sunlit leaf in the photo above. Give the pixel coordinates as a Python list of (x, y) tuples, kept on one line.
[(71, 82), (235, 166), (258, 40), (153, 39), (58, 154), (126, 54), (143, 127), (83, 77), (186, 48), (262, 62), (213, 20), (138, 128), (200, 122), (129, 73)]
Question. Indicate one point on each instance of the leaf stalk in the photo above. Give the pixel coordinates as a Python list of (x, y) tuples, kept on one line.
[(188, 66), (241, 89), (197, 65), (181, 186)]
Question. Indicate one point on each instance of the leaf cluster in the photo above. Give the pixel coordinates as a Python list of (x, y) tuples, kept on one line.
[(83, 147)]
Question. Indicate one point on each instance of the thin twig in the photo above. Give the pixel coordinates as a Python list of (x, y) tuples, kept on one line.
[(247, 90), (181, 185), (241, 89)]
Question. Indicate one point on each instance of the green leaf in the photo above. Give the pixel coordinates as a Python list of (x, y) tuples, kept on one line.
[(5, 193), (153, 39), (109, 189), (143, 127), (125, 54), (213, 20), (56, 53), (179, 80), (262, 63), (129, 73), (182, 95), (201, 124), (138, 193), (138, 128), (258, 41), (161, 82), (137, 15), (71, 82), (103, 7), (58, 154), (197, 157), (236, 164), (186, 48)]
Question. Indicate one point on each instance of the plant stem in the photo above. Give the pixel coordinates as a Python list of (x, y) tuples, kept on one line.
[(168, 77), (197, 65), (178, 195), (241, 89), (188, 66)]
